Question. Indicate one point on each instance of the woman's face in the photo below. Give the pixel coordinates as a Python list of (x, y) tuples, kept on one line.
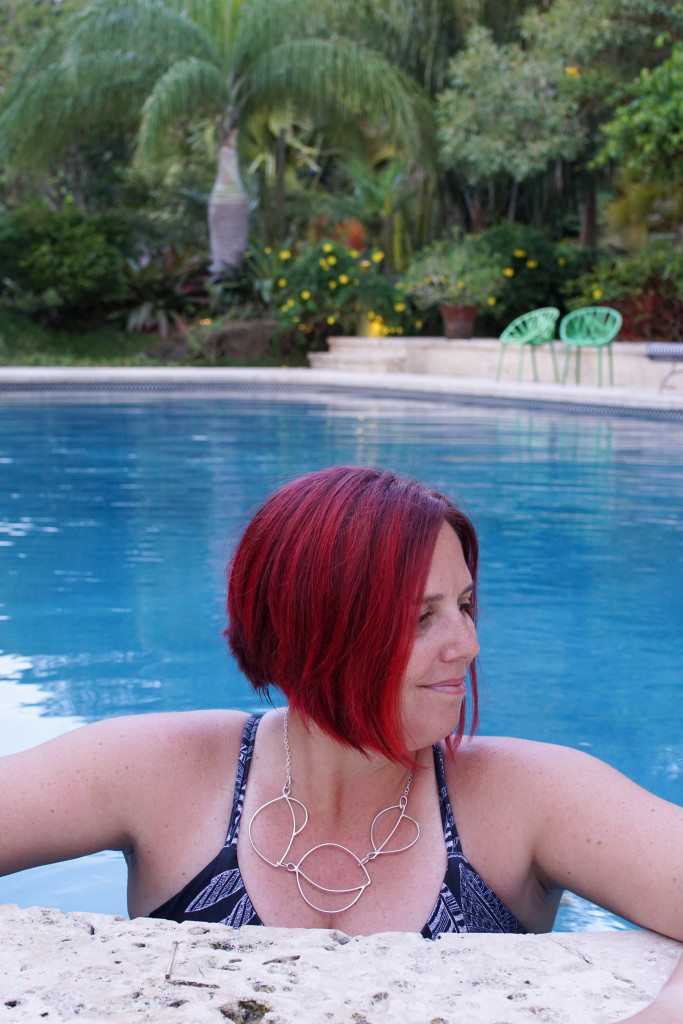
[(445, 645)]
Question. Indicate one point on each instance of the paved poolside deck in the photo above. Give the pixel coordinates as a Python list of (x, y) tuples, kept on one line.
[(632, 400)]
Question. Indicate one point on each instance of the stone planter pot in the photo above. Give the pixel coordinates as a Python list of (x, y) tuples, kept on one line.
[(458, 321)]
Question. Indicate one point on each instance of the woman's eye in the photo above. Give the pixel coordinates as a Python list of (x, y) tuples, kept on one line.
[(425, 616), (465, 607)]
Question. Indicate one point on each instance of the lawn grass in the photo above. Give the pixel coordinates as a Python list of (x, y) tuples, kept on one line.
[(25, 343)]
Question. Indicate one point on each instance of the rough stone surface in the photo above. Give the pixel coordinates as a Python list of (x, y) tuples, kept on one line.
[(91, 968)]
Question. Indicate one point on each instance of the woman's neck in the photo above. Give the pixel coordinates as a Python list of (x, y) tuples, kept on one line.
[(334, 778)]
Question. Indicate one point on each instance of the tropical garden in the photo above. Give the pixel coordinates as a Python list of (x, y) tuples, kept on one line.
[(235, 180)]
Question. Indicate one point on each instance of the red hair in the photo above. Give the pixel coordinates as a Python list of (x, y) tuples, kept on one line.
[(324, 594)]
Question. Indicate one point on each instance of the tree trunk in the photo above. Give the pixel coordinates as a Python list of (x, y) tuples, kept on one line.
[(589, 220), (512, 204), (228, 210), (280, 192)]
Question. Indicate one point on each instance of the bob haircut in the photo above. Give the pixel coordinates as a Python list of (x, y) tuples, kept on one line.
[(324, 597)]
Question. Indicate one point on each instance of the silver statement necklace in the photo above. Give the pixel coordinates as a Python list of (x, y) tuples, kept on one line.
[(297, 869)]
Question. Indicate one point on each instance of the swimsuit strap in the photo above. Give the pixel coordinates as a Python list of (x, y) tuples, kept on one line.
[(243, 765), (450, 832)]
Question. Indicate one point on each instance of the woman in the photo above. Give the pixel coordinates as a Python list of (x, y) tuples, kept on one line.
[(353, 592)]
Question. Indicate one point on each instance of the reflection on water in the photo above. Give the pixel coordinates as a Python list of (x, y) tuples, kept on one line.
[(117, 517)]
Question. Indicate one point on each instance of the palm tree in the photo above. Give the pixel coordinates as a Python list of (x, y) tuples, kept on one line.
[(169, 62)]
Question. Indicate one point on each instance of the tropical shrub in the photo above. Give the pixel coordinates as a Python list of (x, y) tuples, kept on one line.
[(62, 267), (333, 289), (646, 287), (163, 290), (534, 269)]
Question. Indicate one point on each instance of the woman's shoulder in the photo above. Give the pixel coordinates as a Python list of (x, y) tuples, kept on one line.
[(501, 752), (177, 740), (526, 769)]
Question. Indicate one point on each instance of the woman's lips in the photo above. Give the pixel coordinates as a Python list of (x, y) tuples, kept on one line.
[(453, 686)]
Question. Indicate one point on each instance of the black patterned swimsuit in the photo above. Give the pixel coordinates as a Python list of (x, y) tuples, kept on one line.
[(465, 902)]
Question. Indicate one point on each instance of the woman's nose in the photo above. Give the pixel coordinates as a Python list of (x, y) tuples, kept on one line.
[(462, 639)]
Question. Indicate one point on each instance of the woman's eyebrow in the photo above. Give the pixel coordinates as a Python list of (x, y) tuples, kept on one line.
[(426, 598)]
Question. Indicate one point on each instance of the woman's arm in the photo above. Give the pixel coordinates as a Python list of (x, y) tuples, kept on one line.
[(565, 820), (155, 786), (668, 1006), (603, 837), (612, 842)]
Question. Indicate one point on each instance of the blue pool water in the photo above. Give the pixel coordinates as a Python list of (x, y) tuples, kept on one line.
[(117, 516)]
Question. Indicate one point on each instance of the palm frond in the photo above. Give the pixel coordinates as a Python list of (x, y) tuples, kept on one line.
[(103, 58), (135, 24), (61, 104), (190, 87), (218, 19), (261, 27), (324, 76)]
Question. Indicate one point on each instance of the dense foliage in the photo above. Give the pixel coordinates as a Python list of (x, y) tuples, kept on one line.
[(543, 135)]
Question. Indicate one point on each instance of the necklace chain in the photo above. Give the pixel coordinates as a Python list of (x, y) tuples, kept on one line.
[(296, 868)]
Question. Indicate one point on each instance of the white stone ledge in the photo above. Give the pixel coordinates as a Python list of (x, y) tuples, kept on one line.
[(91, 967)]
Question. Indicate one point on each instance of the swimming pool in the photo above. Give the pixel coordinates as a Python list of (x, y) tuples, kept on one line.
[(118, 514)]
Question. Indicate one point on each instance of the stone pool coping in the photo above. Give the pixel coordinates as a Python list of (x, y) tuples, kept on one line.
[(28, 381), (92, 968)]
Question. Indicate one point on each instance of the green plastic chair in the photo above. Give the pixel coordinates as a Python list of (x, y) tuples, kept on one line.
[(592, 327), (529, 331)]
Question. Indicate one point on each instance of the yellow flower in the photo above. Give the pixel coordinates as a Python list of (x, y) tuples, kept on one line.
[(356, 281), (267, 250), (328, 247), (354, 254), (283, 309), (331, 260), (520, 254), (323, 264), (508, 271), (572, 71), (282, 281), (561, 260), (491, 301), (418, 324), (399, 306), (343, 279), (333, 285), (296, 319), (305, 294), (597, 293), (285, 254), (331, 319), (205, 322), (531, 264), (460, 285), (399, 330), (377, 256)]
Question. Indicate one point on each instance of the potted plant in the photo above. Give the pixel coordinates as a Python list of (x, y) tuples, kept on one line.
[(460, 276)]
